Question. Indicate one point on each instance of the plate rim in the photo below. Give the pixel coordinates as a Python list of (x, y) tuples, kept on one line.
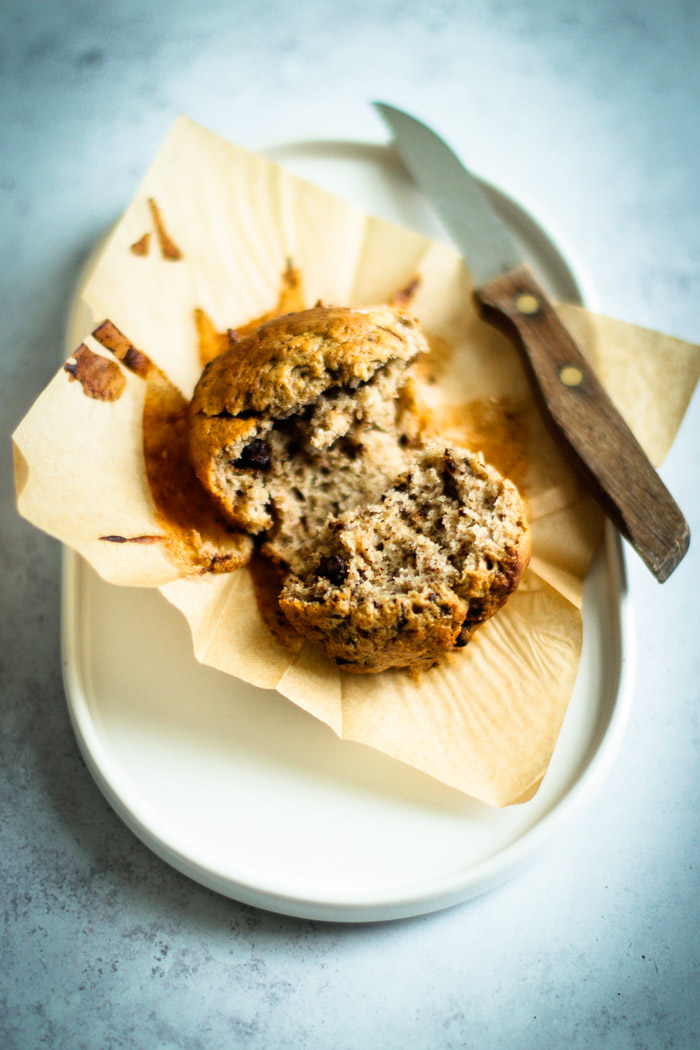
[(420, 898)]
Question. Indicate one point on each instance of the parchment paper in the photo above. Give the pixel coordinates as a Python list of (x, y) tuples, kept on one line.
[(212, 228)]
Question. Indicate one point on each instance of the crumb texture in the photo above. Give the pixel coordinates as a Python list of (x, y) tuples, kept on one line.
[(400, 581)]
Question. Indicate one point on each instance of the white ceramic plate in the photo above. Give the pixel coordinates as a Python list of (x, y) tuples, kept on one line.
[(250, 796)]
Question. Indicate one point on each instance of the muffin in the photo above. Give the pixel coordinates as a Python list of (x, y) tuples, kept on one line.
[(311, 415), (406, 578)]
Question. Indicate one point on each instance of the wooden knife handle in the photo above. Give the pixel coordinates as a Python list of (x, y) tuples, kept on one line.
[(590, 430)]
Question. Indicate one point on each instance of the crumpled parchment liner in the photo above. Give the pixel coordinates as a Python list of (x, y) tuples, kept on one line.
[(487, 718)]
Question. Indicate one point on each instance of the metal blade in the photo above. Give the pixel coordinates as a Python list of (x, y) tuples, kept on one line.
[(456, 195)]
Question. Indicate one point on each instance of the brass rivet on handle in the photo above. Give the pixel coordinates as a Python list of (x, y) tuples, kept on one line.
[(570, 375), (527, 304)]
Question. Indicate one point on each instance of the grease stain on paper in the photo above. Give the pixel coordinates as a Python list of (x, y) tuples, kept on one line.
[(195, 533), (100, 379), (140, 247), (168, 247)]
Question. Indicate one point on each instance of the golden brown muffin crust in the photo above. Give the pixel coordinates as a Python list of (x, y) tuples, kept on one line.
[(287, 363)]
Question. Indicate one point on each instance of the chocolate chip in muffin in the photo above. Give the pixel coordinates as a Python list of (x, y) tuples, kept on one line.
[(333, 568), (255, 456)]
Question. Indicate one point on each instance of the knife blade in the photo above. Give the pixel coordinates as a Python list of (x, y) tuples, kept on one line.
[(579, 413)]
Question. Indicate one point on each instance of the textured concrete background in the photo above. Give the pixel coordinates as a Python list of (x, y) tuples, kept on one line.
[(589, 114)]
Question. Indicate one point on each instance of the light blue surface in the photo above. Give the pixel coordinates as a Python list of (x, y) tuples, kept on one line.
[(587, 114)]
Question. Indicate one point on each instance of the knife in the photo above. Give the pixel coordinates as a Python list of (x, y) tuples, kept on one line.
[(589, 429)]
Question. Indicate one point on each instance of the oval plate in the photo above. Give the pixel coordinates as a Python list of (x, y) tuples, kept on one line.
[(252, 797)]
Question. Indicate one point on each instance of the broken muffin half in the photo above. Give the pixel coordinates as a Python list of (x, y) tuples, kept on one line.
[(400, 581), (310, 415)]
